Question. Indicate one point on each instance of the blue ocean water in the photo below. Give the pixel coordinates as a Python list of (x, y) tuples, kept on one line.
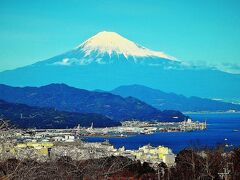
[(220, 130)]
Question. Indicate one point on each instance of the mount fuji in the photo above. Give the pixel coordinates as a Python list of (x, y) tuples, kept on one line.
[(111, 48), (108, 60)]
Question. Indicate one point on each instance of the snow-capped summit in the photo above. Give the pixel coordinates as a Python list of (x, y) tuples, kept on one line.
[(111, 42), (111, 48)]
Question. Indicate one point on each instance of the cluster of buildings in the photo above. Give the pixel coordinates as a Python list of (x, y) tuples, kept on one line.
[(43, 146), (151, 155), (144, 127), (155, 126)]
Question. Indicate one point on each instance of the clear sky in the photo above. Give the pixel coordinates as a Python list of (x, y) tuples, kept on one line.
[(199, 31)]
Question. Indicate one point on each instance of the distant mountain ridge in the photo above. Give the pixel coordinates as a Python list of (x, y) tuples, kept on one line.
[(162, 100), (25, 116), (66, 98)]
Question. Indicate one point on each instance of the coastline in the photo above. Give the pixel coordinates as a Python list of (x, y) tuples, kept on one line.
[(210, 112)]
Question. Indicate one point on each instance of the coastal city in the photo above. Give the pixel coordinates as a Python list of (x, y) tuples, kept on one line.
[(135, 127), (45, 144)]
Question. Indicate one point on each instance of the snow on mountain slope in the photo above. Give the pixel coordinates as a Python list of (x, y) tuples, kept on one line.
[(111, 42), (108, 48)]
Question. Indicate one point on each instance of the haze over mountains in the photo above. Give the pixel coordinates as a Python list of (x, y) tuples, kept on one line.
[(65, 98), (162, 100), (108, 60)]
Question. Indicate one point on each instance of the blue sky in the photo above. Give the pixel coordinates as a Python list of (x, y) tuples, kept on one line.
[(203, 32)]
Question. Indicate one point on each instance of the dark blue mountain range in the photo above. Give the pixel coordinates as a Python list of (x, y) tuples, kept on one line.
[(24, 116), (66, 98)]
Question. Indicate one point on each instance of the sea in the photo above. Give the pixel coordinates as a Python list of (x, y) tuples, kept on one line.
[(222, 129)]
